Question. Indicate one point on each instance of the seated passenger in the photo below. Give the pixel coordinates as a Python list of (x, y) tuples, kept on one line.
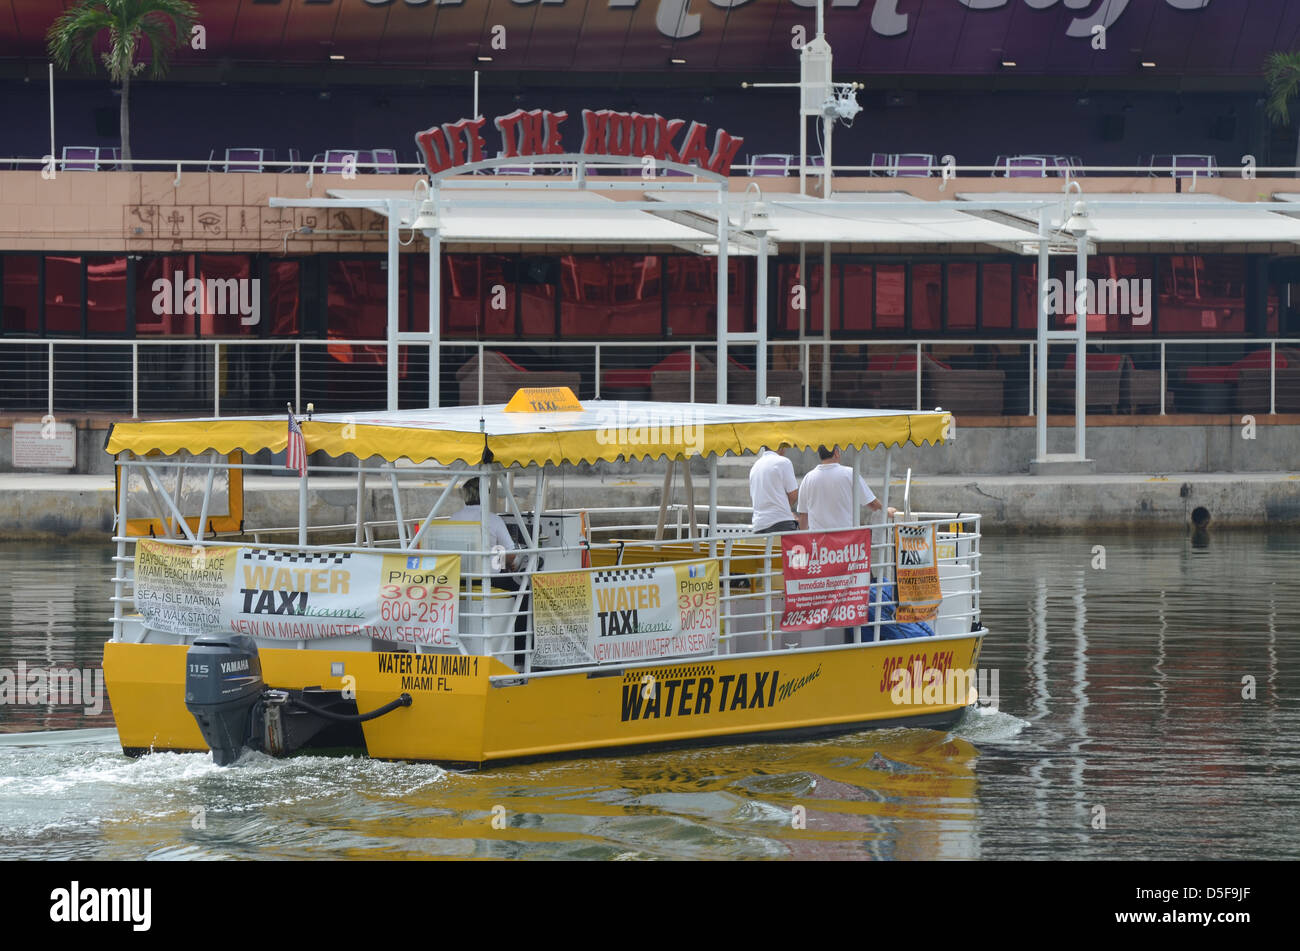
[(498, 535), (890, 630)]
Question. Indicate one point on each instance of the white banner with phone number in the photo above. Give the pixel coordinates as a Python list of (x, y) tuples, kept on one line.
[(290, 595)]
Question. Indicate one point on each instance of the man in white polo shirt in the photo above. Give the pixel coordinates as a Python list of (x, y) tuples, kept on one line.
[(772, 492), (826, 495)]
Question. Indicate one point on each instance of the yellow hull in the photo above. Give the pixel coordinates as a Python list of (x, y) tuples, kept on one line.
[(459, 716)]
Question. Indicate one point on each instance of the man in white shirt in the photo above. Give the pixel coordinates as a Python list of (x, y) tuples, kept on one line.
[(826, 495), (498, 534), (772, 492)]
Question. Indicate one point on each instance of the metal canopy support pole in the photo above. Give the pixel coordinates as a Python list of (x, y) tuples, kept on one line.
[(664, 496), (760, 360), (1041, 403), (397, 506), (688, 486), (302, 509), (207, 493), (393, 329), (1080, 345), (361, 500), (723, 316), (805, 355), (713, 502), (435, 317), (826, 323), (857, 489)]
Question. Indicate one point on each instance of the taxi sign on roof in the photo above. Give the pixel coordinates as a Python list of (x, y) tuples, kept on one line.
[(544, 399)]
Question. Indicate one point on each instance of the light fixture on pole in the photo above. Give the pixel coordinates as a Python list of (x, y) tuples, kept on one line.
[(756, 221)]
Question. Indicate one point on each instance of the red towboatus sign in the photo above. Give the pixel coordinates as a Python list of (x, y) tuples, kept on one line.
[(827, 579), (536, 132)]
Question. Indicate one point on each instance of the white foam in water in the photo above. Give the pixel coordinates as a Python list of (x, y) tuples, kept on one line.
[(65, 782), (989, 724)]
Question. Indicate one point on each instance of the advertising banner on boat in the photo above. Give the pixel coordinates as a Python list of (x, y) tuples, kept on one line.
[(918, 573), (613, 615), (827, 578), (289, 595)]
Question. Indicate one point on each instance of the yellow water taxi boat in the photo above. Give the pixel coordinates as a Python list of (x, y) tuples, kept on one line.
[(408, 632)]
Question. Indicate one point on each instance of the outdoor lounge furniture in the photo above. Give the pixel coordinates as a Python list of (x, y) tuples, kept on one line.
[(670, 379), (1218, 388), (502, 377), (1027, 166), (914, 165), (1140, 389), (80, 158), (769, 165), (243, 160), (1253, 383), (883, 384), (1105, 372), (974, 392)]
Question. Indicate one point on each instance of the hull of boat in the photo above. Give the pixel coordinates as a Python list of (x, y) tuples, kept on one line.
[(460, 714)]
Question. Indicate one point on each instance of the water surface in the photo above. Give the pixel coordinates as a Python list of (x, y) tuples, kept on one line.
[(1121, 732)]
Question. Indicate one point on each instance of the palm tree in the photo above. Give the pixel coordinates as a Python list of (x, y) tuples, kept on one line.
[(163, 24), (1282, 73)]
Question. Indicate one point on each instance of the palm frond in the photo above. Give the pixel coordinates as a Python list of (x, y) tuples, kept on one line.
[(1282, 74), (163, 24)]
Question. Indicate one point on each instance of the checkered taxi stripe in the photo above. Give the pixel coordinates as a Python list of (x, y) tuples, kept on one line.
[(297, 557)]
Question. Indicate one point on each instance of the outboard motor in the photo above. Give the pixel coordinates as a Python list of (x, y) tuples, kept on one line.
[(223, 681)]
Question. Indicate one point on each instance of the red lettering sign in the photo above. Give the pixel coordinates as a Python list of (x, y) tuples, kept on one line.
[(604, 132)]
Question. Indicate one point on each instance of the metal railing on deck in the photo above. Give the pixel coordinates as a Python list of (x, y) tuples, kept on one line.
[(993, 376)]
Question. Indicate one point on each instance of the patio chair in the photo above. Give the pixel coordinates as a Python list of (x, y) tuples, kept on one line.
[(1195, 166), (670, 379), (80, 158), (113, 158), (1026, 166), (1105, 370), (295, 161), (1139, 389), (977, 392), (502, 377), (1158, 164), (914, 165), (365, 161), (385, 161), (243, 160), (769, 166), (882, 163), (334, 159)]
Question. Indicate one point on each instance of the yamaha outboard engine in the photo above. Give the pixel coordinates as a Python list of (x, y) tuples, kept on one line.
[(223, 681)]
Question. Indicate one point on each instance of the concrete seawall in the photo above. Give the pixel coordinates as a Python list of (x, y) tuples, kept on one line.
[(81, 507)]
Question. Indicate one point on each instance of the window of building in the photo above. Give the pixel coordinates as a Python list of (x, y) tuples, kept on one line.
[(21, 294), (160, 296), (927, 299), (1202, 294), (962, 288), (106, 295), (63, 294), (995, 295), (891, 296)]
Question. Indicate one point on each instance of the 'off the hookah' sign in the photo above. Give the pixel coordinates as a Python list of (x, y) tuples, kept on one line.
[(536, 132)]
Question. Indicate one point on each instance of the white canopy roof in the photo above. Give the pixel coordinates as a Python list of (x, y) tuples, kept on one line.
[(1139, 218), (539, 217)]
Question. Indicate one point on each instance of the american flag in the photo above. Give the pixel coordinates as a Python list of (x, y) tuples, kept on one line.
[(296, 456)]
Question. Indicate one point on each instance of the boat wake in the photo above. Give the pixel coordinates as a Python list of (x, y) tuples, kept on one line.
[(988, 725), (67, 784)]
